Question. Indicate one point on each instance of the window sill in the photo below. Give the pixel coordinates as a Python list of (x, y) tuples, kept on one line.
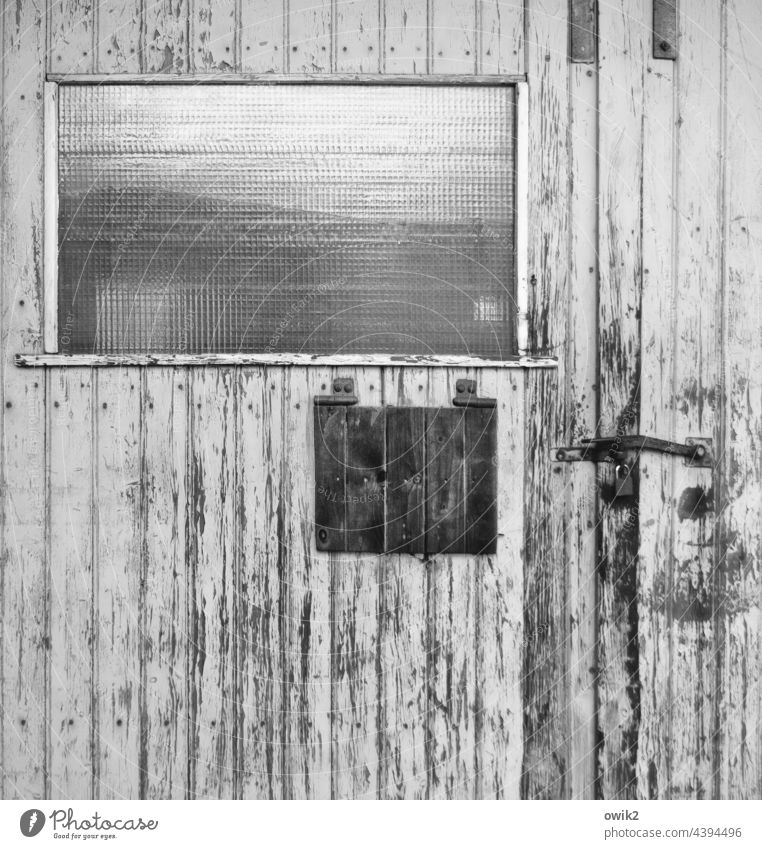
[(171, 360)]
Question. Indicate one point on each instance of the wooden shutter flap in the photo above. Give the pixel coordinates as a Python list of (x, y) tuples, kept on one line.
[(421, 480)]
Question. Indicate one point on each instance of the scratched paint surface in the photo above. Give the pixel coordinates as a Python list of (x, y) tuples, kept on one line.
[(171, 632)]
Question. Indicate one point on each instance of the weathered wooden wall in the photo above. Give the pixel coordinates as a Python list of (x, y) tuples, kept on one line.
[(166, 630)]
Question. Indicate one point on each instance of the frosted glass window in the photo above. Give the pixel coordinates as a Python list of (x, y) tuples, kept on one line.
[(286, 218)]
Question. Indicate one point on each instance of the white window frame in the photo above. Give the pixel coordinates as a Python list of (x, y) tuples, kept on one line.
[(521, 357)]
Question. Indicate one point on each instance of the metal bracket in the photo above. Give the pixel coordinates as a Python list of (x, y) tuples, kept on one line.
[(696, 451), (665, 29), (465, 395), (343, 394)]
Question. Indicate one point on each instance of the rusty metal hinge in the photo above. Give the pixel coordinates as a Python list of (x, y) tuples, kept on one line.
[(343, 394), (465, 395), (664, 29), (696, 451)]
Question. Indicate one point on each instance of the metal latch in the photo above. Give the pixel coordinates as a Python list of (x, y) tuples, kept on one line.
[(697, 451), (624, 451), (343, 394)]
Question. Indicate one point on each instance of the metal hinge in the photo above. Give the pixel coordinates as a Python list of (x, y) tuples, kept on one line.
[(465, 395), (343, 394), (697, 451)]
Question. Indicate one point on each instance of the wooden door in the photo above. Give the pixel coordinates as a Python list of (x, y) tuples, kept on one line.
[(392, 675)]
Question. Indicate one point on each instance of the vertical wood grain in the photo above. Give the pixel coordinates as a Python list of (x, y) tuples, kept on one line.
[(655, 504), (451, 633), (580, 364), (354, 645), (544, 681), (695, 386), (453, 36), (261, 530), (261, 36), (305, 600), (212, 580), (164, 698), (740, 745), (71, 36), (405, 33), (499, 37), (499, 605), (310, 37), (119, 39), (402, 640), (24, 576), (166, 36), (73, 584), (623, 44), (213, 35), (119, 602), (357, 36)]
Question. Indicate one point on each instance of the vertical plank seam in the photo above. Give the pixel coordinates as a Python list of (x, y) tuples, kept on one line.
[(46, 748), (190, 554), (236, 641), (721, 476), (142, 591), (3, 486), (94, 586), (675, 269)]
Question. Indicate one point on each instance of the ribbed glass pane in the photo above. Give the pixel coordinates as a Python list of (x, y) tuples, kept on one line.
[(313, 218)]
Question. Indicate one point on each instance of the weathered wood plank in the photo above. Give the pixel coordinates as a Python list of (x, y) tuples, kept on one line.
[(71, 36), (24, 576), (164, 699), (357, 36), (544, 681), (261, 34), (405, 34), (655, 505), (213, 35), (263, 514), (166, 36), (499, 37), (73, 727), (119, 40), (695, 584), (740, 744), (580, 366), (451, 615), (452, 26), (623, 42), (310, 37), (402, 640), (120, 601), (355, 605), (499, 605), (212, 582), (305, 599)]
